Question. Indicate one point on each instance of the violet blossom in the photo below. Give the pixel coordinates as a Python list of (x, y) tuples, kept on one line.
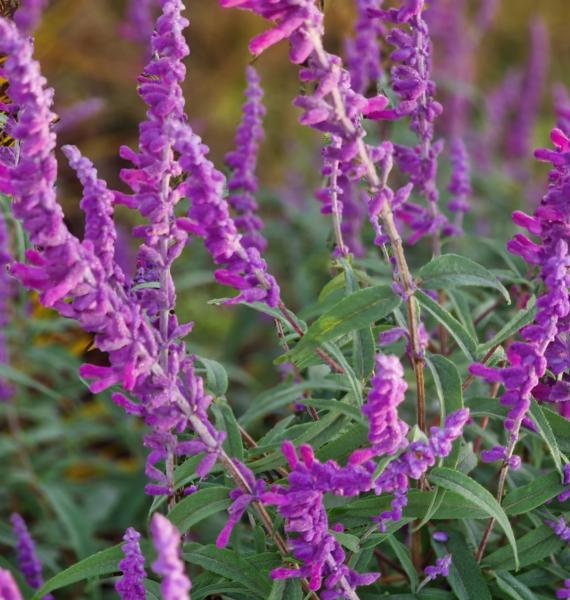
[(528, 360), (459, 185), (363, 50), (131, 585), (28, 561), (440, 569), (564, 593), (414, 462), (562, 107), (139, 21), (28, 16), (387, 432), (306, 521), (411, 80), (169, 565), (520, 134), (243, 182), (8, 588)]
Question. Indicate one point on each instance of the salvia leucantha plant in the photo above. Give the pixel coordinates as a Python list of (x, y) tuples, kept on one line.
[(417, 444)]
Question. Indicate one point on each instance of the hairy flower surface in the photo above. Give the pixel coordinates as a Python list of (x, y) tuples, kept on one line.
[(243, 182), (131, 585), (8, 588), (28, 561), (169, 564)]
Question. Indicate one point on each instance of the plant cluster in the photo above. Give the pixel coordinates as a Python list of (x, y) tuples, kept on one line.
[(417, 445)]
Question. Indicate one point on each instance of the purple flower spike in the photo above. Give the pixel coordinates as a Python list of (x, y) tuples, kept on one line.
[(169, 565), (8, 588), (440, 569), (139, 22), (131, 586), (363, 51), (29, 15), (28, 561), (529, 360), (387, 432), (243, 160), (460, 184)]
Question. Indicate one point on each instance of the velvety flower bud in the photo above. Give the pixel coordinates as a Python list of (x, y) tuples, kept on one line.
[(131, 585), (8, 588)]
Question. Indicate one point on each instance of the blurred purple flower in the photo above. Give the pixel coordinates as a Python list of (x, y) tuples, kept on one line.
[(130, 586)]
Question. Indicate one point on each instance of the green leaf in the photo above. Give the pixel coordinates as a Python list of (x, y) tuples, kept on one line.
[(448, 386), (78, 528), (282, 395), (465, 575), (533, 547), (403, 556), (101, 563), (560, 428), (452, 271), (464, 340), (521, 318), (199, 506), (232, 566), (513, 587), (546, 433), (354, 312), (532, 495), (229, 424), (455, 507), (216, 376), (471, 490), (363, 351)]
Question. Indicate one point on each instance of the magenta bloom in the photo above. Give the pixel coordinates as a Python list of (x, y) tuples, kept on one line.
[(387, 432), (529, 360), (6, 390), (243, 161), (8, 588), (28, 16), (131, 586), (169, 565), (440, 569), (28, 561)]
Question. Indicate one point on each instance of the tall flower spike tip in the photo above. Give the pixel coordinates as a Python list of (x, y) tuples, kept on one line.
[(169, 565), (130, 586), (363, 50), (8, 588), (243, 183), (139, 21), (28, 561), (29, 15)]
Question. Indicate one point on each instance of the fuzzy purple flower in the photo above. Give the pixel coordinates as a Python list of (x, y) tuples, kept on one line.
[(8, 588), (528, 360), (440, 569), (363, 50), (130, 586), (562, 108), (520, 138), (169, 565), (387, 432), (28, 16), (139, 21), (28, 561), (459, 185), (414, 462), (243, 183), (306, 522)]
